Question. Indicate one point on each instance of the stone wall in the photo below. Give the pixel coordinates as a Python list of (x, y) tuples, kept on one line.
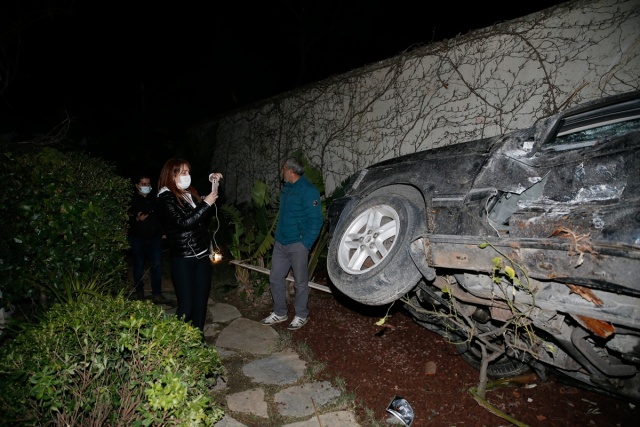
[(481, 84)]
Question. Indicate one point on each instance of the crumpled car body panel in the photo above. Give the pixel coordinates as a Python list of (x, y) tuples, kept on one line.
[(557, 203)]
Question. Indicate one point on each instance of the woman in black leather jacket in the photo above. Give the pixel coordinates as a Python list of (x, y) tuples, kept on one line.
[(186, 218)]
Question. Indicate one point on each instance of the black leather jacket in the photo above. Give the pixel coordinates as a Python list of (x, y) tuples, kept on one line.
[(186, 227)]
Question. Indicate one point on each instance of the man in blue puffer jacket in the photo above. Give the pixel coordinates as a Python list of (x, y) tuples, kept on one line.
[(299, 224)]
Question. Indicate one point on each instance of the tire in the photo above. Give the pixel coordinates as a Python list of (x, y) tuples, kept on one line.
[(503, 367), (368, 258)]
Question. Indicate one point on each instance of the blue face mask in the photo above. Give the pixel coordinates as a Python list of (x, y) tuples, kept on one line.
[(145, 189)]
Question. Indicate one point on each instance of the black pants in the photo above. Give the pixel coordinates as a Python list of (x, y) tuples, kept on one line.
[(192, 283), (144, 249)]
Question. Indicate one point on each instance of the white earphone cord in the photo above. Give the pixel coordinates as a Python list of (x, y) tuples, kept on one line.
[(216, 230)]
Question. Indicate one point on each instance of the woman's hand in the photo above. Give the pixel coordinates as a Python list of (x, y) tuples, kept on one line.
[(213, 196)]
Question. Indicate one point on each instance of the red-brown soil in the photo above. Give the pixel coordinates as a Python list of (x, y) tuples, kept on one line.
[(380, 362)]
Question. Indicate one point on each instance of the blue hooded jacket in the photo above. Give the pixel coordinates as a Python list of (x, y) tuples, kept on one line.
[(300, 216)]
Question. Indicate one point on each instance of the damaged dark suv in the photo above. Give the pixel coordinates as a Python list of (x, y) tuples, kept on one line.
[(523, 247)]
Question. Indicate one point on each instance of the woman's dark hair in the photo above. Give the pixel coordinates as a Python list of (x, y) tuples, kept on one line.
[(168, 174)]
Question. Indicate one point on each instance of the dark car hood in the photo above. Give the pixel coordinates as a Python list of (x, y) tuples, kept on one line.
[(444, 170)]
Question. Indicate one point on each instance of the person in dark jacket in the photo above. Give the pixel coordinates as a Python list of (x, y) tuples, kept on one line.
[(186, 218), (145, 238), (299, 224)]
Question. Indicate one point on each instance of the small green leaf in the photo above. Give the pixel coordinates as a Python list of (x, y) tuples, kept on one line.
[(483, 245), (510, 272)]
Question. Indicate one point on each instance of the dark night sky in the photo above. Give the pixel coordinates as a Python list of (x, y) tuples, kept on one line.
[(149, 71)]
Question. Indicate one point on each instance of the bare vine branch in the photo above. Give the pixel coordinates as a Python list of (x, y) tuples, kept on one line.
[(485, 83)]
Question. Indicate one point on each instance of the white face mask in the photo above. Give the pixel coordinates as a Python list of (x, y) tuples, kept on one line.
[(184, 181), (145, 189)]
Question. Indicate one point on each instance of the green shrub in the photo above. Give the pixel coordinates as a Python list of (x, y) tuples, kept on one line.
[(62, 217), (108, 362)]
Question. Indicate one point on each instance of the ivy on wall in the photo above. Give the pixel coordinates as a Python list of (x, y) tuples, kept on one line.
[(482, 84)]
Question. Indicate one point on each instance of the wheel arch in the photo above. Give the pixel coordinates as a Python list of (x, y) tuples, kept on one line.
[(411, 193)]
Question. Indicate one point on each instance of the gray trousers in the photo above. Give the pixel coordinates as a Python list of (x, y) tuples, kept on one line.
[(285, 257)]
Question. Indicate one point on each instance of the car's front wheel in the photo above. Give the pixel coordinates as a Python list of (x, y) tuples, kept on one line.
[(368, 257)]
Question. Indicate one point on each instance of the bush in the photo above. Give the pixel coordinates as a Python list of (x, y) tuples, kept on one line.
[(110, 362), (63, 217)]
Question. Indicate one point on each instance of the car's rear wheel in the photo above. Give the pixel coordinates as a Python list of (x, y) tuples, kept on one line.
[(368, 257), (503, 367), (434, 315)]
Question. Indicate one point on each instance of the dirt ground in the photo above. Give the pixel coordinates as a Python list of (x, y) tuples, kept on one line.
[(401, 358)]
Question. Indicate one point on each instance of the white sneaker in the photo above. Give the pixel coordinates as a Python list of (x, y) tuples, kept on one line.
[(297, 323), (273, 318)]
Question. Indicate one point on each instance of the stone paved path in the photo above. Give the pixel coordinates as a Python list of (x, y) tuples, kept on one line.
[(238, 338)]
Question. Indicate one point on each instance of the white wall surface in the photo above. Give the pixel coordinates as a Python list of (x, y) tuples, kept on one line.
[(482, 84)]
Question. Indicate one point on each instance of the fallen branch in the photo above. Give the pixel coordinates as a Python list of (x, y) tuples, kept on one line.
[(489, 407)]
